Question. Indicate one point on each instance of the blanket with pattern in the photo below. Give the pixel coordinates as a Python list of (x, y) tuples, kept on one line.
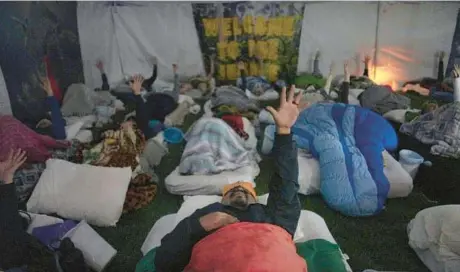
[(439, 128), (212, 147)]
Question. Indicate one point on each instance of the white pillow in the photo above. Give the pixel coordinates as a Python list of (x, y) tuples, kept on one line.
[(434, 236), (398, 116), (208, 184), (162, 226), (309, 181), (401, 184), (193, 203), (81, 192)]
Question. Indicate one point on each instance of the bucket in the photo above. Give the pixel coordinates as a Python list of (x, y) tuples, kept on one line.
[(269, 138), (410, 161), (96, 251), (173, 135)]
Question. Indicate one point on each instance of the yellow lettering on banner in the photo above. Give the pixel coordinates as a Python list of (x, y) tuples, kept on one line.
[(261, 49), (273, 49), (222, 74), (236, 26), (251, 48), (273, 70), (275, 26), (247, 24), (232, 71), (288, 26), (227, 25), (253, 69), (233, 50), (260, 27), (222, 50), (210, 27)]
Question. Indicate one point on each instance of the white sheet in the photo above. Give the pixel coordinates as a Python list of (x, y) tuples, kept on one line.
[(434, 236), (98, 40), (409, 35), (5, 104), (208, 184), (126, 35), (401, 184), (339, 30)]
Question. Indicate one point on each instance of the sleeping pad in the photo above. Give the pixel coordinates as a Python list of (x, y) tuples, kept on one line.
[(348, 142)]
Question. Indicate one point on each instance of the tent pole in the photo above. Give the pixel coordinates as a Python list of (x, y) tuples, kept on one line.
[(376, 44)]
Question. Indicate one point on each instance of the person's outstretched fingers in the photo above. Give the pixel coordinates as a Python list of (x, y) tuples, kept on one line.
[(272, 111), (291, 94), (298, 97), (283, 96)]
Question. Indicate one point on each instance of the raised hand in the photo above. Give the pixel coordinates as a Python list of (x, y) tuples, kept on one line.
[(332, 68), (367, 59), (152, 60), (136, 84), (287, 113), (456, 71), (346, 71), (46, 85), (216, 220), (8, 167), (317, 55), (100, 66), (241, 65), (442, 54), (174, 67)]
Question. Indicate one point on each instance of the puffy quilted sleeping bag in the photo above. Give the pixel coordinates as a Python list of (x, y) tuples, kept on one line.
[(348, 141)]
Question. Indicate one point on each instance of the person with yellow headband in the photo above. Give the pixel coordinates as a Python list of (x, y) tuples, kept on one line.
[(189, 246)]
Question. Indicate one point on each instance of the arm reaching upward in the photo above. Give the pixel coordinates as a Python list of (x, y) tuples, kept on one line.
[(283, 202), (105, 81), (212, 69), (328, 84), (345, 87), (366, 61), (57, 121), (147, 84), (142, 118)]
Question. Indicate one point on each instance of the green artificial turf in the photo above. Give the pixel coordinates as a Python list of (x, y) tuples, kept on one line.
[(378, 242)]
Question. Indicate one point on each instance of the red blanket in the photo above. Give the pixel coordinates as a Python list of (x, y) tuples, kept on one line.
[(246, 247), (14, 135)]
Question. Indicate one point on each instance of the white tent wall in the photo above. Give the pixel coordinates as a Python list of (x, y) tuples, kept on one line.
[(5, 104), (137, 31), (401, 37), (408, 36), (98, 42), (338, 29)]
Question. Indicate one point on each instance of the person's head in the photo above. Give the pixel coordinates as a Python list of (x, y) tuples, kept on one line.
[(185, 87), (258, 89), (203, 87), (239, 195)]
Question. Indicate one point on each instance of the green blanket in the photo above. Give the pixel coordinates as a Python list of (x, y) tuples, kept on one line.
[(320, 255)]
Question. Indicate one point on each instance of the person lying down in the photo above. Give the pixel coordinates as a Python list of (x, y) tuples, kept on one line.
[(239, 234)]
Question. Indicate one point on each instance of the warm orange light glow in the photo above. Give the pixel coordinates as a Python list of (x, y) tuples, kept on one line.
[(384, 75)]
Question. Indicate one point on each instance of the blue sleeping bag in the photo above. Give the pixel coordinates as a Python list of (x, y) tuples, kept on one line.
[(348, 142)]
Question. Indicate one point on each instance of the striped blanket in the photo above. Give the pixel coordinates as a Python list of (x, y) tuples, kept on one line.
[(212, 147), (439, 128)]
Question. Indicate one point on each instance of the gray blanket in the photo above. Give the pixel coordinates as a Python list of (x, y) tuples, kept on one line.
[(380, 99), (233, 96), (439, 128)]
